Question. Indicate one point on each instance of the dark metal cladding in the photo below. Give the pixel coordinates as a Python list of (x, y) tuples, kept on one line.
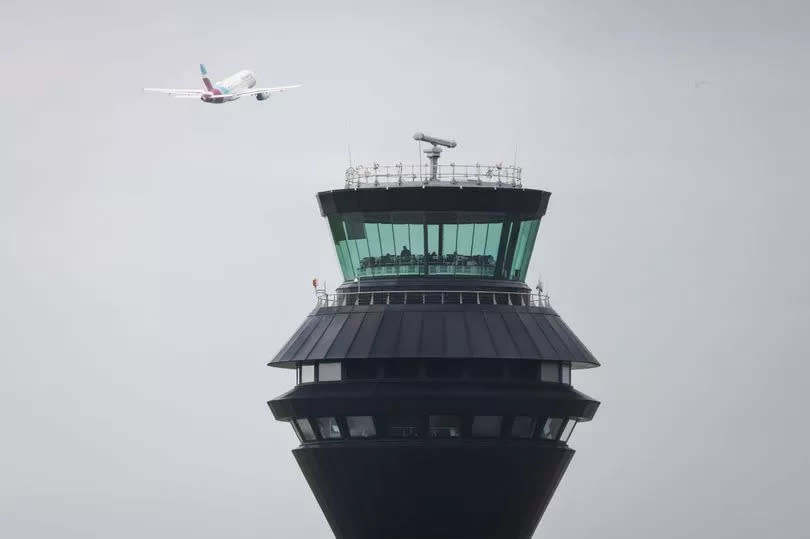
[(433, 395), (406, 491), (434, 331), (524, 202)]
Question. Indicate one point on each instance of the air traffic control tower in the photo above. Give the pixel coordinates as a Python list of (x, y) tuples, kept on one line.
[(434, 396)]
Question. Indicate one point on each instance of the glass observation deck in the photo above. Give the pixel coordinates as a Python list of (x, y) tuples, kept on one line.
[(496, 245)]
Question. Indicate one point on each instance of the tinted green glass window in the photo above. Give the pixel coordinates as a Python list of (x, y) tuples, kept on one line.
[(527, 231), (436, 263), (464, 239), (449, 236), (373, 239), (418, 243), (493, 239), (402, 239), (527, 251)]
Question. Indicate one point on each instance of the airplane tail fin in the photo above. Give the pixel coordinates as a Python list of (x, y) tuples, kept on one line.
[(205, 79)]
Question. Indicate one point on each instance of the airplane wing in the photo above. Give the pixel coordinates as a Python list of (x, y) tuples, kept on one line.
[(254, 91), (176, 92)]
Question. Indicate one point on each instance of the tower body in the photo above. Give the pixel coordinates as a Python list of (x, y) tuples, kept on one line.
[(433, 395)]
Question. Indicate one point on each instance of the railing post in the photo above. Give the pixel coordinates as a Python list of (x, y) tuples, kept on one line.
[(478, 298)]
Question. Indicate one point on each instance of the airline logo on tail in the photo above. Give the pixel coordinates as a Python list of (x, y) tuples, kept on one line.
[(206, 80)]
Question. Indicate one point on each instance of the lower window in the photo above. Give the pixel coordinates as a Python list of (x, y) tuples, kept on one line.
[(403, 427), (444, 426), (329, 428), (523, 427), (305, 430), (568, 429), (551, 428), (361, 426), (486, 426)]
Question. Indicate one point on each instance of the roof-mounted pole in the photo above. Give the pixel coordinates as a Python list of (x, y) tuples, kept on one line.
[(434, 152)]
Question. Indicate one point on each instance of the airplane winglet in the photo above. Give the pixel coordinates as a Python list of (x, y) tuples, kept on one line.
[(203, 70)]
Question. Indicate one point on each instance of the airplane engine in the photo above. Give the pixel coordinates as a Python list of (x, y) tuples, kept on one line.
[(262, 96)]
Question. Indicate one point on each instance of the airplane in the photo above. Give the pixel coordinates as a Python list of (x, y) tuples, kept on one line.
[(240, 84)]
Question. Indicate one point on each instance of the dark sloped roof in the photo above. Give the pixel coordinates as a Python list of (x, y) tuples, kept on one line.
[(435, 332)]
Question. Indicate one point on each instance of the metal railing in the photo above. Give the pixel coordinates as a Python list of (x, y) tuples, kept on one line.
[(376, 175), (431, 297)]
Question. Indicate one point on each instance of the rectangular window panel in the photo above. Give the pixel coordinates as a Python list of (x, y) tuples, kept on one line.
[(361, 426), (402, 240), (355, 230), (486, 426), (374, 242), (359, 369), (307, 374), (328, 372), (485, 368), (389, 249), (401, 368), (568, 429), (341, 245), (417, 233), (493, 239), (527, 253), (328, 428), (351, 249), (436, 262), (550, 371), (523, 370), (403, 427), (295, 430), (444, 426), (464, 242), (566, 373), (551, 428), (305, 429), (523, 249), (361, 246), (523, 427), (449, 248), (479, 260)]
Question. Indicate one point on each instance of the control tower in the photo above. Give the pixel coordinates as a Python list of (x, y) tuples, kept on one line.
[(433, 395)]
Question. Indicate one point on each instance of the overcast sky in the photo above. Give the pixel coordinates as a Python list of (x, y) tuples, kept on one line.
[(156, 253)]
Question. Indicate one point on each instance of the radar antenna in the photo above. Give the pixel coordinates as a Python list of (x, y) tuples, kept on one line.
[(434, 152)]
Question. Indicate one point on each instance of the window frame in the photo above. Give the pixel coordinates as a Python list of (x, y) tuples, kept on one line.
[(498, 430), (555, 435), (532, 427), (303, 437), (349, 427), (335, 421), (330, 363), (564, 437), (314, 368)]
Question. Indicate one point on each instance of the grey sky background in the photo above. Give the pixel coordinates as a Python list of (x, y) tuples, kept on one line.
[(156, 253)]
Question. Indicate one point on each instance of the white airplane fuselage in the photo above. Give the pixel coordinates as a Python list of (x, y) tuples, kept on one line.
[(238, 82)]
